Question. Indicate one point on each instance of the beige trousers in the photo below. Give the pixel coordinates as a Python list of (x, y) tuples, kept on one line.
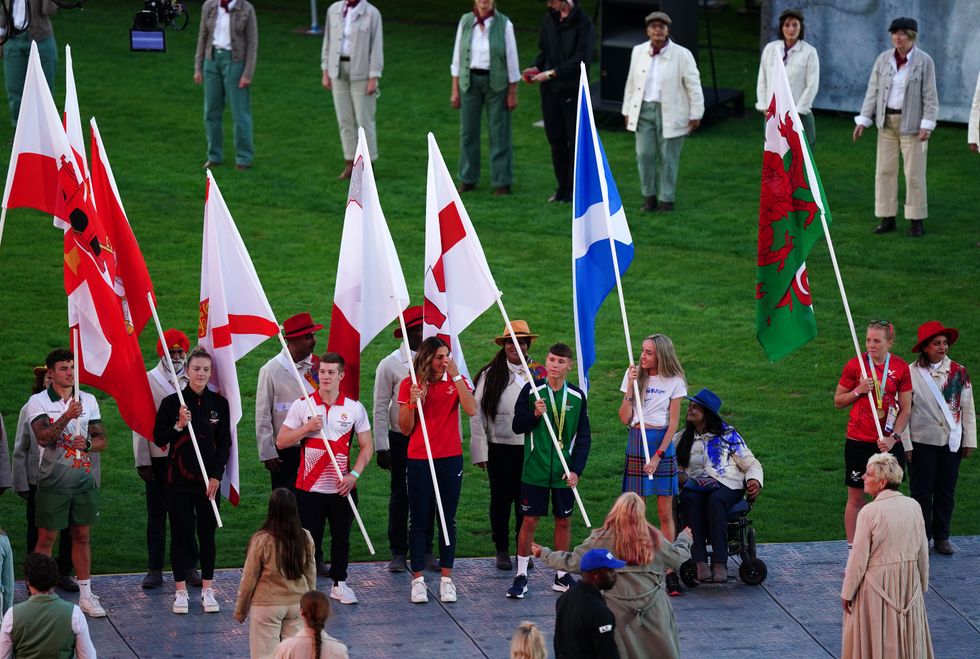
[(268, 625), (891, 142), (354, 109)]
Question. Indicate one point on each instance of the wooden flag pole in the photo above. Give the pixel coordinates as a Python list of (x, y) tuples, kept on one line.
[(537, 396), (326, 442), (180, 397), (425, 430)]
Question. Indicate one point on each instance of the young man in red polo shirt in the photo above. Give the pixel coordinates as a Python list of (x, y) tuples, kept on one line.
[(321, 495)]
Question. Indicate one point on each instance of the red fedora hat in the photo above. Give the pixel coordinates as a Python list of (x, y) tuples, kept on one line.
[(413, 318), (931, 329), (299, 325)]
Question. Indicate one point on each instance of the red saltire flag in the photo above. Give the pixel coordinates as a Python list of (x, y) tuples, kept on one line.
[(132, 281), (458, 284), (234, 314), (108, 356), (790, 205), (40, 144), (370, 289)]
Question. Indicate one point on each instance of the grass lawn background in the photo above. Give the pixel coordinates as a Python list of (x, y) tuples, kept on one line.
[(693, 277)]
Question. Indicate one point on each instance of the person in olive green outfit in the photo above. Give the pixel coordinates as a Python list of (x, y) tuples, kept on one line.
[(31, 22), (227, 44), (544, 477), (485, 74), (45, 626)]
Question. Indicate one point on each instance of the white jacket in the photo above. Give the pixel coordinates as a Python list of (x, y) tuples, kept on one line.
[(802, 69), (681, 98), (973, 127)]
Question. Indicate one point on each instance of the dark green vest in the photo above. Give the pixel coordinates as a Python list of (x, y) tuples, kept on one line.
[(42, 628), (498, 51)]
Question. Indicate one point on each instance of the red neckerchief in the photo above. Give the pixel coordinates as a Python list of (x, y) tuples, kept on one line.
[(482, 20), (350, 5), (786, 50), (900, 61), (654, 51), (224, 4)]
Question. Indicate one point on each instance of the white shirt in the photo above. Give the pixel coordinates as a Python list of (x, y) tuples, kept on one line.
[(896, 94), (352, 13), (222, 27), (83, 642), (480, 50), (652, 91), (656, 399), (20, 14), (340, 420)]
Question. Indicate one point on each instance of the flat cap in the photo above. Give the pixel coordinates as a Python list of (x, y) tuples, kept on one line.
[(657, 16), (904, 23)]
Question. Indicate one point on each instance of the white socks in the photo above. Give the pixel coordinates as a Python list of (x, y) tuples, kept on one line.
[(522, 562), (84, 587)]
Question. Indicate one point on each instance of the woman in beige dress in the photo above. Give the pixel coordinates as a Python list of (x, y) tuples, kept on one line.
[(887, 572), (645, 623)]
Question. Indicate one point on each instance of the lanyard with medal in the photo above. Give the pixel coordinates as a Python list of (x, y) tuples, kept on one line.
[(879, 384), (559, 419)]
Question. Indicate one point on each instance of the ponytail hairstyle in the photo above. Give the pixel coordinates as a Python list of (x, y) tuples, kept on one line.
[(528, 642), (315, 609)]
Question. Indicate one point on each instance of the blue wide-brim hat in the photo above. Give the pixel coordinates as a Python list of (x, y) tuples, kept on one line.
[(709, 401)]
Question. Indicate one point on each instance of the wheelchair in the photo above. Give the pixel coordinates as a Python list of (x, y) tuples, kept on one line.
[(741, 542)]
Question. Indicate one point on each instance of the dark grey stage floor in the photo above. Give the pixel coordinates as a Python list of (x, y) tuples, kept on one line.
[(795, 613)]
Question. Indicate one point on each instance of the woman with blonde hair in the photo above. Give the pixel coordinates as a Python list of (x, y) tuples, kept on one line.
[(312, 642), (662, 385), (279, 568), (645, 623), (528, 642)]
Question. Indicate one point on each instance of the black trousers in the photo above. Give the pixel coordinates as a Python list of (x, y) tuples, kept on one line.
[(707, 515), (156, 518), (64, 538), (932, 482), (317, 511), (288, 468), (505, 464), (558, 111), (398, 499), (189, 513), (422, 501)]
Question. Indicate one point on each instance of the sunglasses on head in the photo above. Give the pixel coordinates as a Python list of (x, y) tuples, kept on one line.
[(879, 323)]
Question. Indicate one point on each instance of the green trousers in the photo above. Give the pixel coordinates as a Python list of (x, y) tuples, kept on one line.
[(472, 102), (657, 157), (16, 54), (221, 77)]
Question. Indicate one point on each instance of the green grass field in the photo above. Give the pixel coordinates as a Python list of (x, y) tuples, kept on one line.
[(693, 278)]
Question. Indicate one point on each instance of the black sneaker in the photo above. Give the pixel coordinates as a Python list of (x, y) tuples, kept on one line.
[(563, 584), (518, 589), (67, 584), (673, 585), (503, 561), (153, 579), (194, 578)]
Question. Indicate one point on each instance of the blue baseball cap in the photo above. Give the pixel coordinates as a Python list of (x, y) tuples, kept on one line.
[(596, 559)]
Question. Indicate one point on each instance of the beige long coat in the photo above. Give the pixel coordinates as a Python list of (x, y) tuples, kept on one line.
[(887, 576), (645, 622)]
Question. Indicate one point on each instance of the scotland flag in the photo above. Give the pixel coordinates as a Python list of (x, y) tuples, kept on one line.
[(598, 223)]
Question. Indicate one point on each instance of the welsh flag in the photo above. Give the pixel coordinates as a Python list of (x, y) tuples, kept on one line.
[(235, 316), (791, 204), (370, 289)]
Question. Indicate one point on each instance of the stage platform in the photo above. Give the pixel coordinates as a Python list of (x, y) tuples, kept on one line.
[(795, 613)]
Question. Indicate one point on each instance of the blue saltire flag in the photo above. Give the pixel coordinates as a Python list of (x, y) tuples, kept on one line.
[(596, 207)]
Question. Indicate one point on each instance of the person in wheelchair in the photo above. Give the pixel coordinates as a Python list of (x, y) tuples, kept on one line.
[(720, 469)]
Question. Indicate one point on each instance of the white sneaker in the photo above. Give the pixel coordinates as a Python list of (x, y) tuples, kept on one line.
[(341, 591), (419, 593), (209, 602), (180, 602), (90, 606), (447, 590)]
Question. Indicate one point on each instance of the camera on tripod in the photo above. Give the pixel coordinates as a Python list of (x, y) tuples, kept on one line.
[(149, 24)]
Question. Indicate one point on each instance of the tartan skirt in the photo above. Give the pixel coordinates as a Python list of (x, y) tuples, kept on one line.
[(664, 482)]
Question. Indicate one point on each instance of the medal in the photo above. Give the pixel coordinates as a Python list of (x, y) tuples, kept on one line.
[(560, 420), (880, 385)]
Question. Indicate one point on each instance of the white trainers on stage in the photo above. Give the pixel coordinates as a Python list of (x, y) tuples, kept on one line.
[(341, 591), (90, 606), (180, 602), (447, 590), (419, 593), (209, 602)]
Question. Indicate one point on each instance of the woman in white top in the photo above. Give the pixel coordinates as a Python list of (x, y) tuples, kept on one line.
[(312, 642), (802, 69), (662, 385)]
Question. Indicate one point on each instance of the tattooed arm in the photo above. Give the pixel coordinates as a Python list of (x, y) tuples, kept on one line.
[(48, 432), (96, 433)]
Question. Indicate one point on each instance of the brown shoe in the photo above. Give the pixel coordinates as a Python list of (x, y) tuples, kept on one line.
[(886, 225), (466, 187), (649, 204), (665, 207), (501, 191), (348, 168), (916, 230), (943, 547)]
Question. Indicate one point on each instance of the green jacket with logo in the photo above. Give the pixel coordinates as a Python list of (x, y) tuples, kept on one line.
[(542, 467)]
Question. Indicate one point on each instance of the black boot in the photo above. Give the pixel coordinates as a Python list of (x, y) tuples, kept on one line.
[(887, 224), (649, 204), (916, 230)]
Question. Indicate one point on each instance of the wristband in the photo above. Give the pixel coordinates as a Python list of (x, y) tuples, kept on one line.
[(178, 428), (856, 394), (355, 474), (659, 453), (88, 444), (457, 378)]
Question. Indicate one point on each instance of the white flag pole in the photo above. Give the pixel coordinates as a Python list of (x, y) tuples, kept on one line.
[(76, 394), (326, 442), (180, 397), (425, 430), (537, 396), (3, 219)]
